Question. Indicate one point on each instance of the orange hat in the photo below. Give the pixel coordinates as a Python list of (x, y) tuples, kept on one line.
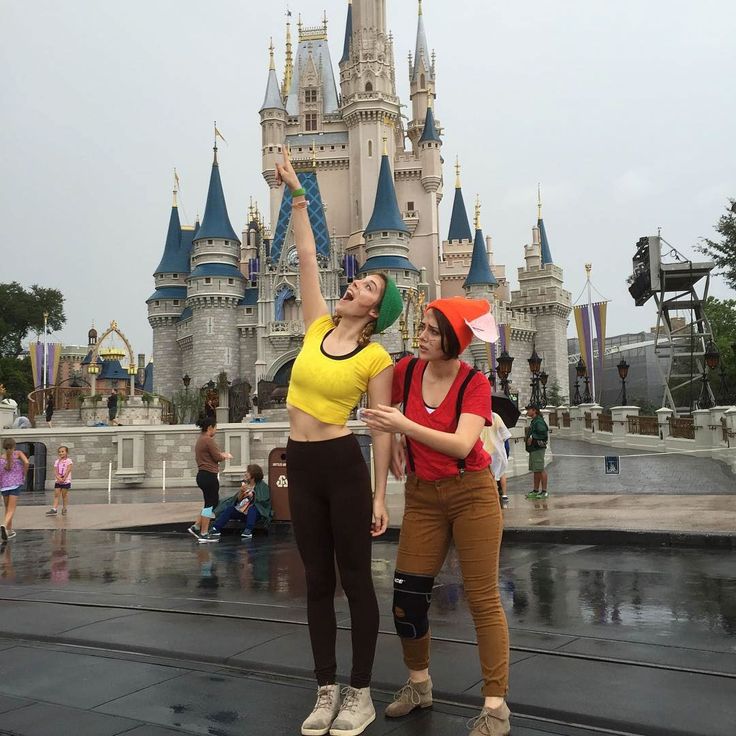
[(468, 317)]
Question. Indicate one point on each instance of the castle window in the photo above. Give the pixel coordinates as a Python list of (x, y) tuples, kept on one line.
[(384, 234), (227, 242), (176, 302), (406, 274), (368, 87), (422, 81), (174, 275), (157, 303), (230, 282), (209, 242), (228, 356), (208, 280), (254, 283), (370, 149), (410, 206), (310, 121), (249, 310), (310, 95)]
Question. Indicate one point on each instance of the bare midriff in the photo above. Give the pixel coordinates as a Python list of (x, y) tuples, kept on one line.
[(305, 428)]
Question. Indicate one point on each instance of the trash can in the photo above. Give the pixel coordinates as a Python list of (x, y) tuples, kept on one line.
[(278, 483)]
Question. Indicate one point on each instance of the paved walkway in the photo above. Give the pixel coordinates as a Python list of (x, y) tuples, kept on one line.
[(152, 635)]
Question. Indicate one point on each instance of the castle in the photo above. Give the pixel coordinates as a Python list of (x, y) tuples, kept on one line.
[(374, 181)]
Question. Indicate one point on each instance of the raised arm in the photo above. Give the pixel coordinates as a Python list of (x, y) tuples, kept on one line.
[(313, 303)]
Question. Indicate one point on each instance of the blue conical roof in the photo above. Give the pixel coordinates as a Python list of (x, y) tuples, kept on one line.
[(272, 99), (386, 213), (216, 223), (348, 34), (459, 224), (480, 270), (176, 257), (430, 129), (546, 252)]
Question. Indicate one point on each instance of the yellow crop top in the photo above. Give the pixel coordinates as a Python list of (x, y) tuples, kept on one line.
[(326, 387)]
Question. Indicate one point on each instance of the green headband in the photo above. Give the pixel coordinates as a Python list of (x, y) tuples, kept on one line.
[(391, 307)]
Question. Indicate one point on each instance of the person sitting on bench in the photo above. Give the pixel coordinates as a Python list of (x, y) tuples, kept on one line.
[(250, 504)]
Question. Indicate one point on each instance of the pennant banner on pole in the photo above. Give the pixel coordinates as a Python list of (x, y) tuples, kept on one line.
[(599, 317), (582, 323), (53, 358), (35, 350)]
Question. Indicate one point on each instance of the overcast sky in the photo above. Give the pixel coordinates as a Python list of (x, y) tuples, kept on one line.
[(625, 111)]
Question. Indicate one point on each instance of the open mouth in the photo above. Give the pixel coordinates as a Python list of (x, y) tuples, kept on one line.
[(348, 296)]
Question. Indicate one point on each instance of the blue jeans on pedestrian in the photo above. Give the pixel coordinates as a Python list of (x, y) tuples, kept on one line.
[(231, 512)]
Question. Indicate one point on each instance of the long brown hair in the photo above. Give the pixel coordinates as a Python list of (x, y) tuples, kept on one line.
[(8, 446), (367, 332)]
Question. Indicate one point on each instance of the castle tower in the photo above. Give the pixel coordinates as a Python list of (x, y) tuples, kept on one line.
[(167, 303), (422, 80), (541, 295), (273, 133), (369, 104), (457, 250), (215, 287), (387, 246)]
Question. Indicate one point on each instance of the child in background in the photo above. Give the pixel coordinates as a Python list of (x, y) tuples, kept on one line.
[(13, 469), (62, 481)]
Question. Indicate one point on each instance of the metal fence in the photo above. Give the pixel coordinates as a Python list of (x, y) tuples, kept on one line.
[(648, 426), (605, 423), (682, 428)]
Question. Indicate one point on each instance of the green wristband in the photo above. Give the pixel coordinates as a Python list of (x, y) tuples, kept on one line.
[(301, 192)]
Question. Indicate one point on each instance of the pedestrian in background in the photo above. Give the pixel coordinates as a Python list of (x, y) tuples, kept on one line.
[(496, 443), (13, 469), (537, 435), (62, 481), (112, 406), (49, 409)]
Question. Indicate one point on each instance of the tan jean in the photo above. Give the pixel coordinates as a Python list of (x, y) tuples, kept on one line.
[(464, 509)]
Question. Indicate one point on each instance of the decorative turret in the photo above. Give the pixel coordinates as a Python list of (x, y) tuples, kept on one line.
[(273, 124), (387, 236), (459, 223), (216, 222), (421, 81), (348, 34), (480, 278), (430, 146), (546, 253)]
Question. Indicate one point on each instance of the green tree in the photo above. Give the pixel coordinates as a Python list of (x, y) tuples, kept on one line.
[(15, 375), (723, 251), (554, 394), (721, 314), (21, 312)]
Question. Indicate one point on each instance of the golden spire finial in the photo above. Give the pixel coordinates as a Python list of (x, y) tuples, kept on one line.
[(272, 64), (420, 7), (324, 20), (539, 201), (477, 212), (457, 172)]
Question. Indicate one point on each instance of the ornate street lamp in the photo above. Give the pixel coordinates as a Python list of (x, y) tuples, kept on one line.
[(579, 373), (186, 380), (543, 378), (582, 372), (535, 365), (504, 364), (712, 358), (623, 372)]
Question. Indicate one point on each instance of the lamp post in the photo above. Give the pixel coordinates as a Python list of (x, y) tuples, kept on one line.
[(45, 350), (543, 378), (186, 380), (504, 363), (623, 372), (535, 366), (581, 371), (712, 359)]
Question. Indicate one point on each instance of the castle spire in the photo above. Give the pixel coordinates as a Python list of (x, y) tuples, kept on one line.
[(272, 99), (216, 222), (288, 59), (173, 259), (459, 225), (348, 34), (480, 273), (546, 253), (430, 134), (422, 58), (386, 213)]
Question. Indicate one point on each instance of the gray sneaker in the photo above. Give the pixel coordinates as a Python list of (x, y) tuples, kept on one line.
[(51, 512), (207, 539), (491, 722), (412, 695), (356, 712), (325, 709), (12, 534)]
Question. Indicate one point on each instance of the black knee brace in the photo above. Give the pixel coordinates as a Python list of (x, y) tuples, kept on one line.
[(412, 596)]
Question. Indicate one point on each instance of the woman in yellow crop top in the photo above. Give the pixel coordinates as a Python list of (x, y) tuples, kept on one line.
[(333, 510)]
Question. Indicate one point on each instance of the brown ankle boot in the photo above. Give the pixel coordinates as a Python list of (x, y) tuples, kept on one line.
[(492, 722), (412, 695)]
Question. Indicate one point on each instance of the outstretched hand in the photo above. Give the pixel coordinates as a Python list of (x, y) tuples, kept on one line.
[(285, 172)]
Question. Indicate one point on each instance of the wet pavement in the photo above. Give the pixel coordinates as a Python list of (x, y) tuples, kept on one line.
[(151, 634)]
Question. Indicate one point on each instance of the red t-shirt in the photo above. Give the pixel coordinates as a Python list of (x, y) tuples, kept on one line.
[(430, 464)]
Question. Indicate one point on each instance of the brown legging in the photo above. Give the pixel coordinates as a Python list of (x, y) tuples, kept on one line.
[(465, 509), (331, 512)]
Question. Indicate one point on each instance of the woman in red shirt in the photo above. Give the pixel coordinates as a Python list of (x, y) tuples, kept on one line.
[(450, 496)]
